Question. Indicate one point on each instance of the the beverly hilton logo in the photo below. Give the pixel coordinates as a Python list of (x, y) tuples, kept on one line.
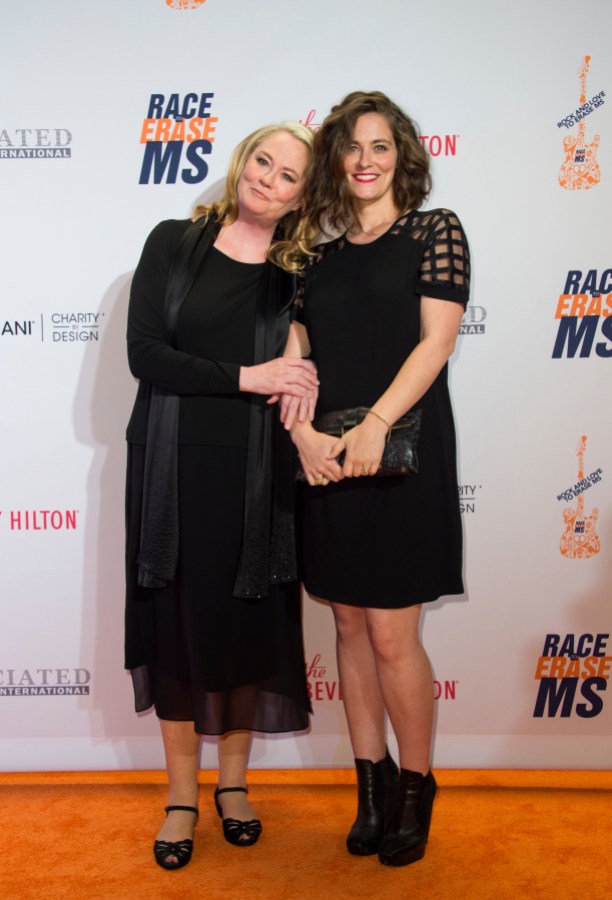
[(435, 144), (324, 685), (320, 685), (580, 170), (580, 539), (185, 4)]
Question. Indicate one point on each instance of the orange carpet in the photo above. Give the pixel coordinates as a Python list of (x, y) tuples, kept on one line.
[(495, 834)]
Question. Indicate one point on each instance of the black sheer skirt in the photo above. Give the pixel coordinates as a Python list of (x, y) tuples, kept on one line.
[(196, 653)]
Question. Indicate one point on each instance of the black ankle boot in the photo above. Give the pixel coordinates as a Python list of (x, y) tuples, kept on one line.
[(406, 836), (376, 786)]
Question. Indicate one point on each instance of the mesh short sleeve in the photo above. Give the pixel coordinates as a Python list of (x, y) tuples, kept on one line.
[(445, 268)]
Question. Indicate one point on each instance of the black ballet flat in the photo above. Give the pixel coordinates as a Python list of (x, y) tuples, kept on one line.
[(241, 834), (181, 849)]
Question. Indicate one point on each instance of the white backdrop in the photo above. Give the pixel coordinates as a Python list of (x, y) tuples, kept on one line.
[(496, 90)]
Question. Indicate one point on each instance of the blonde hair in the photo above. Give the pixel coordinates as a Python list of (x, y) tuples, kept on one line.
[(294, 234)]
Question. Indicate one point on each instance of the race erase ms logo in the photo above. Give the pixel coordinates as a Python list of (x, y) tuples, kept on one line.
[(178, 132), (573, 672), (584, 313)]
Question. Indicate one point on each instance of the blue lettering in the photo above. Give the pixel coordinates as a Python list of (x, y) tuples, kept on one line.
[(155, 107), (600, 348), (159, 157), (554, 693), (188, 108), (575, 334), (172, 109), (590, 282), (205, 105), (588, 689), (605, 283), (572, 285), (194, 152), (551, 645)]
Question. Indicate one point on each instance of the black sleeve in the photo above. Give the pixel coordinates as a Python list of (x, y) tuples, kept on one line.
[(445, 269), (150, 357)]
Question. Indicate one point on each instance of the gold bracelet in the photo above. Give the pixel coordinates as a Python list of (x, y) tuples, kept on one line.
[(382, 419)]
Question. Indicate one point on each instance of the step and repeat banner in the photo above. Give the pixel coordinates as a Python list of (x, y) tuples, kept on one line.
[(115, 116)]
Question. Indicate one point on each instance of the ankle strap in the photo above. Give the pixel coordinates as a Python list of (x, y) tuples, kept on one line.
[(230, 790), (192, 809)]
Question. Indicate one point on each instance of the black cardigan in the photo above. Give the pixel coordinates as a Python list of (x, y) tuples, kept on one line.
[(268, 549)]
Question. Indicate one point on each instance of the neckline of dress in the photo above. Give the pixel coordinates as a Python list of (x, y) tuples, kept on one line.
[(238, 262), (403, 215)]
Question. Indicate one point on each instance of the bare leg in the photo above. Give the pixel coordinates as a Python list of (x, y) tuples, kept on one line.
[(406, 682), (182, 749), (233, 751), (363, 702)]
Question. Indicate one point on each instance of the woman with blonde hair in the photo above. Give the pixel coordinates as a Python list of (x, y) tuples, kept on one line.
[(380, 313), (213, 624)]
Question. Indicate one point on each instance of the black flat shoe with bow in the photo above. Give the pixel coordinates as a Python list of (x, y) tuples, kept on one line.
[(242, 834), (164, 850)]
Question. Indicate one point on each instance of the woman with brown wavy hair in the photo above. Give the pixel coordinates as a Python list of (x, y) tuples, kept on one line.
[(379, 314), (213, 623)]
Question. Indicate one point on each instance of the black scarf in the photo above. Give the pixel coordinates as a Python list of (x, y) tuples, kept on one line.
[(268, 545)]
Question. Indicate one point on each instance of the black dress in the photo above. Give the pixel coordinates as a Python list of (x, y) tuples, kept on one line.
[(384, 542), (195, 651)]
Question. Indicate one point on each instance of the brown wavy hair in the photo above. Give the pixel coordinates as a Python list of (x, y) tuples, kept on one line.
[(328, 200), (295, 233)]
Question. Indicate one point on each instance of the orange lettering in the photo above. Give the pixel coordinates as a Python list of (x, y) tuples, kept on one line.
[(193, 134), (542, 666), (573, 669), (590, 666), (145, 134), (606, 312), (557, 666), (178, 132), (562, 307), (210, 126), (604, 667), (594, 307), (578, 305), (163, 129)]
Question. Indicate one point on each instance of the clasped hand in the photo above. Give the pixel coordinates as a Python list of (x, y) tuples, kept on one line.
[(362, 447), (284, 375)]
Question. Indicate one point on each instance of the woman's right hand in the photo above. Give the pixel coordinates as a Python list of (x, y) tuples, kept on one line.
[(284, 375), (314, 448), (297, 409)]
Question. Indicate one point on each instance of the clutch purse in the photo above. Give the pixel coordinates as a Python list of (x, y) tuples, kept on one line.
[(400, 453)]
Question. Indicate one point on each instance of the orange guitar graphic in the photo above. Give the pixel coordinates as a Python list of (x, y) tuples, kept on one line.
[(580, 539), (184, 4), (580, 170)]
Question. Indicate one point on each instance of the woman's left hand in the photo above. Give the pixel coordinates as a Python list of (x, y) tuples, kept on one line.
[(363, 446)]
